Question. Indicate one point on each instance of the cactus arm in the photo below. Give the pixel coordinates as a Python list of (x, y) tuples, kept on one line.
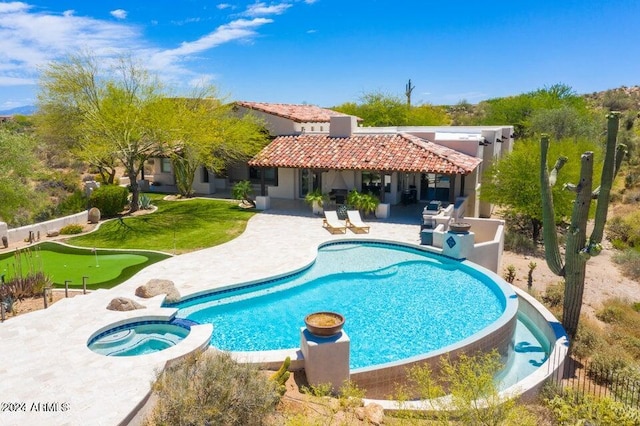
[(609, 170), (551, 246)]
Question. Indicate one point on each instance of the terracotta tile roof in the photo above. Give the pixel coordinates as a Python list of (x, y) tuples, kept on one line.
[(385, 152), (297, 113)]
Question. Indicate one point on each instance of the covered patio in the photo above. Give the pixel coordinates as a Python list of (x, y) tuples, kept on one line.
[(398, 168)]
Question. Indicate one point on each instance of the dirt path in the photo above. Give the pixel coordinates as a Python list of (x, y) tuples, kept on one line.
[(604, 280)]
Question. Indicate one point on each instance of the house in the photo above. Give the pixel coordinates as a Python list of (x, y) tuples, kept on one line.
[(317, 148)]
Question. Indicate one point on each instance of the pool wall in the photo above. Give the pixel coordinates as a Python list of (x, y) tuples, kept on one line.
[(552, 329), (381, 381)]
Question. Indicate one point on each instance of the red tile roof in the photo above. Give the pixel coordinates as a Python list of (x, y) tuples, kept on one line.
[(297, 113), (385, 152)]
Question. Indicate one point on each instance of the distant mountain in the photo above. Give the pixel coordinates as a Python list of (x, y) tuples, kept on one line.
[(23, 110)]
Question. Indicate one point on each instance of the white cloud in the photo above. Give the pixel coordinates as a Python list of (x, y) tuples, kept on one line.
[(119, 13), (310, 1), (31, 38), (14, 6), (261, 9), (238, 29), (312, 31), (223, 6)]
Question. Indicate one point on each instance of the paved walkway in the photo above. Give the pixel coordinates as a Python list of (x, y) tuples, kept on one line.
[(49, 376)]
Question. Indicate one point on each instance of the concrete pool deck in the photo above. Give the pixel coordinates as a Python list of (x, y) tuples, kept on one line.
[(49, 376)]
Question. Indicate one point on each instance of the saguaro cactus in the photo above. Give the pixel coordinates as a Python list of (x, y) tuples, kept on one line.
[(578, 248)]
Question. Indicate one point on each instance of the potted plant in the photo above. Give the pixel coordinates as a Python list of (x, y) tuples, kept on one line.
[(316, 199), (242, 191), (366, 203), (324, 324)]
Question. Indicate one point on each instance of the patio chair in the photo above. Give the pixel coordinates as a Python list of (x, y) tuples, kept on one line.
[(333, 224), (355, 223)]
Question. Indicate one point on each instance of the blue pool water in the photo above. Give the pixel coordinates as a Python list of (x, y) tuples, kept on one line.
[(398, 303), (138, 338)]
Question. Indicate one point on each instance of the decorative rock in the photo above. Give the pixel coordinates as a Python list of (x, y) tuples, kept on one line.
[(94, 215), (124, 304), (155, 287), (371, 414), (53, 233)]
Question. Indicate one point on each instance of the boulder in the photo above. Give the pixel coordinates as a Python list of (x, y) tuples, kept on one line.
[(155, 287), (124, 304), (371, 414), (94, 215)]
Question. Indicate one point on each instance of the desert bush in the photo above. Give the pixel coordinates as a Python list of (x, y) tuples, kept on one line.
[(629, 262), (469, 380), (587, 340), (574, 408), (21, 287), (109, 199), (607, 362), (212, 389), (519, 243), (610, 314), (71, 229), (554, 295), (631, 197), (73, 203)]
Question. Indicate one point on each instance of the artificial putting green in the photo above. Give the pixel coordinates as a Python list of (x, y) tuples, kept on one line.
[(103, 268)]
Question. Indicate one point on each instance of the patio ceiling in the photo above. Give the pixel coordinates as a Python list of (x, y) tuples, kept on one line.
[(383, 152)]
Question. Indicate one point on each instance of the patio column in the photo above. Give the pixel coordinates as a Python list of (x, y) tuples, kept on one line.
[(452, 188), (381, 173), (263, 186)]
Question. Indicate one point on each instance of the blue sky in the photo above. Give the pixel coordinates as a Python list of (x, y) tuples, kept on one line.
[(327, 52)]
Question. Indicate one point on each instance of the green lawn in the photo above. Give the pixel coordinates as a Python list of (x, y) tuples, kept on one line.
[(176, 227), (103, 268)]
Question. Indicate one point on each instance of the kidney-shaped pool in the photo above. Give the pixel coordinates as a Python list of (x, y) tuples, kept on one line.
[(399, 302)]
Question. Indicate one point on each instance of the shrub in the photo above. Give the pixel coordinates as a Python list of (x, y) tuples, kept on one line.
[(554, 295), (71, 229), (573, 408), (610, 314), (211, 388), (74, 203), (519, 243), (109, 199), (587, 340), (607, 362), (629, 262)]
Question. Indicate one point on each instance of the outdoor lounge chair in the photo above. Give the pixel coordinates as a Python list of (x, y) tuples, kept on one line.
[(355, 223), (333, 224)]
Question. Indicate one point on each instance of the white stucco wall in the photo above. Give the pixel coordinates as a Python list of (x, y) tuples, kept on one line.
[(286, 188), (20, 234)]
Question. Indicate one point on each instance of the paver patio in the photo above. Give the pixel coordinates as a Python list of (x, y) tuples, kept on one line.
[(51, 376)]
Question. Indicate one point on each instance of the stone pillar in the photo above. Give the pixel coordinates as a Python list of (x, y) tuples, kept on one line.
[(326, 359), (458, 245), (263, 202)]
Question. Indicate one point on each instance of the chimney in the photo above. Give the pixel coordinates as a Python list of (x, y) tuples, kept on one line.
[(341, 126)]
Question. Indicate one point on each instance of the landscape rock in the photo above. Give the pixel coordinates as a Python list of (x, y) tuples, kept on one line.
[(371, 414), (53, 233), (124, 304), (156, 287)]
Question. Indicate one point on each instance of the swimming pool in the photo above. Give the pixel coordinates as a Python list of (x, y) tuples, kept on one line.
[(399, 302)]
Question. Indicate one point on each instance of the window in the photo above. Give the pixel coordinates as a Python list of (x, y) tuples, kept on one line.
[(270, 175), (205, 175), (165, 165)]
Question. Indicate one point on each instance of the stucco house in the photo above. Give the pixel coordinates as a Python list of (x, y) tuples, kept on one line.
[(317, 148)]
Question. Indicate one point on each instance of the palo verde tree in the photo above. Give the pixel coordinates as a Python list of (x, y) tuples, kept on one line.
[(512, 182), (206, 131), (578, 248), (105, 114)]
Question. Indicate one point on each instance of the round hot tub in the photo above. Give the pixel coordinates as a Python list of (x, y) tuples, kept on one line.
[(140, 337)]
